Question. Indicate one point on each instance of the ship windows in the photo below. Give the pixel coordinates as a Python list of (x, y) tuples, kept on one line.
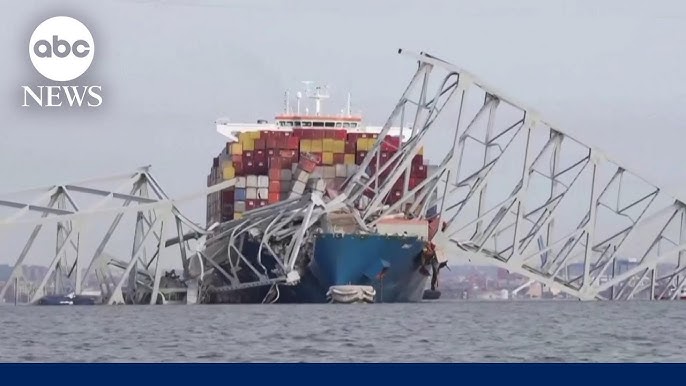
[(354, 124), (318, 124), (329, 124), (297, 123), (346, 124), (307, 124), (338, 124), (289, 123)]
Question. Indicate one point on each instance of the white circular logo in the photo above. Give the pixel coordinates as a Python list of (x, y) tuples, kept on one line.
[(61, 48)]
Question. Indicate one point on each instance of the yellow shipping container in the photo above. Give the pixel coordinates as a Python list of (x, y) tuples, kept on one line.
[(255, 134), (338, 146), (248, 144), (236, 149), (362, 144), (370, 143), (229, 172), (237, 215), (306, 145), (327, 158), (317, 146), (421, 151), (327, 144), (244, 136), (349, 159)]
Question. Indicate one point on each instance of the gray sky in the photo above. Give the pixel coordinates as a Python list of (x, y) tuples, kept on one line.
[(611, 73)]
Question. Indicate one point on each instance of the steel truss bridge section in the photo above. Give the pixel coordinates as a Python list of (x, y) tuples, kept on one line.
[(88, 223), (517, 192)]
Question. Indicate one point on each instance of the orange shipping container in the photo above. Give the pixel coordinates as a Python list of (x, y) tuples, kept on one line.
[(274, 186), (274, 197)]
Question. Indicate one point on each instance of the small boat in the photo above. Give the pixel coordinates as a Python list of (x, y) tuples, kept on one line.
[(349, 294)]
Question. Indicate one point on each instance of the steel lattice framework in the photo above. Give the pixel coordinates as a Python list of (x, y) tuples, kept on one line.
[(509, 190), (519, 193)]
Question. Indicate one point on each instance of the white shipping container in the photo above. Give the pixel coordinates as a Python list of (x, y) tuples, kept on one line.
[(298, 187), (329, 172), (251, 181), (286, 175), (320, 185), (251, 193), (239, 206), (240, 182), (318, 172), (341, 170), (352, 169), (263, 193), (302, 176), (262, 181)]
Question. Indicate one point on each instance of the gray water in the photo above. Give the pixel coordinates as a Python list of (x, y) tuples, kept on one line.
[(460, 331)]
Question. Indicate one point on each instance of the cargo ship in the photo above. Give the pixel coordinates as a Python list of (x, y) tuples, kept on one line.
[(266, 160)]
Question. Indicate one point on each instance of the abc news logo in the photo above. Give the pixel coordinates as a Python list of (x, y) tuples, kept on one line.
[(61, 49)]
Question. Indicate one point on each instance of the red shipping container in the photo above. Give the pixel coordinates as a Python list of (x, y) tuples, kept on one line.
[(260, 144), (263, 202), (287, 153), (287, 134), (250, 204), (317, 134), (414, 182), (274, 162), (350, 146), (339, 134), (274, 173), (359, 157), (293, 143), (271, 152), (261, 167), (238, 166), (317, 157), (248, 154), (338, 158), (274, 185), (328, 134), (306, 134), (390, 144), (274, 197), (260, 157), (236, 158), (272, 143), (308, 162), (297, 132), (419, 171), (418, 159), (227, 196)]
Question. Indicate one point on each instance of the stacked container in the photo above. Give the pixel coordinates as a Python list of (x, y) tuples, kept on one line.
[(270, 166)]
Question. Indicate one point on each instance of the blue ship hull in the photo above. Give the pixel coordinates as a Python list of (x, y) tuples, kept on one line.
[(391, 264)]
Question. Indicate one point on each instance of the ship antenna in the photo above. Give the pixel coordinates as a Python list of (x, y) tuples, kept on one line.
[(286, 101), (348, 105)]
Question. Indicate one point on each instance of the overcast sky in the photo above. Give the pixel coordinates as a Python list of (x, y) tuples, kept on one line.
[(610, 72)]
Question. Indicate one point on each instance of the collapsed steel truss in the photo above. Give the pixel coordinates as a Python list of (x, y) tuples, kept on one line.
[(74, 210), (516, 192), (510, 189)]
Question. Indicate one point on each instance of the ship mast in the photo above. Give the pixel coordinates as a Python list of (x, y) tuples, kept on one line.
[(318, 94)]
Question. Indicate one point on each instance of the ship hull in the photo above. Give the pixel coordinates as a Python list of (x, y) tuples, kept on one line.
[(390, 264)]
